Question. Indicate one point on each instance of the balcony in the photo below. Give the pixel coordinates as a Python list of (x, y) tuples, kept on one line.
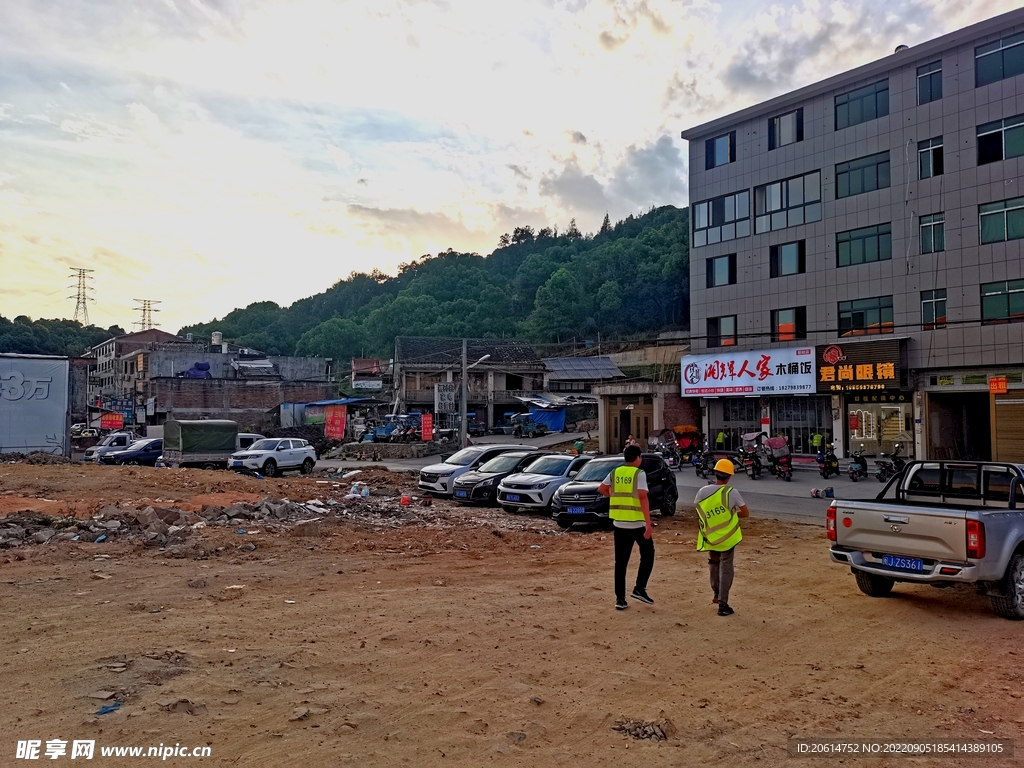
[(426, 396)]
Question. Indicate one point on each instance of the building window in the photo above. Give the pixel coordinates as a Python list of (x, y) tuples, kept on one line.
[(722, 331), (721, 219), (786, 129), (789, 324), (933, 309), (787, 259), (862, 105), (788, 203), (929, 82), (1001, 140), (721, 271), (929, 157), (865, 174), (720, 150), (933, 238), (1002, 302), (1001, 59), (865, 317), (862, 246), (1002, 221)]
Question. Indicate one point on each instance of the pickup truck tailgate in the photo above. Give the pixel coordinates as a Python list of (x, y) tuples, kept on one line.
[(930, 533)]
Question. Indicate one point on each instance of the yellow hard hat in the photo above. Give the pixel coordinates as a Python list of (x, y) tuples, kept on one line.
[(725, 467)]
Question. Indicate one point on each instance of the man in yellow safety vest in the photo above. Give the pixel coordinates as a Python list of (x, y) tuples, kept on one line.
[(719, 509), (626, 489)]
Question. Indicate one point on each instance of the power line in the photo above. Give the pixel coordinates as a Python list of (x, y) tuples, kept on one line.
[(146, 308), (82, 297)]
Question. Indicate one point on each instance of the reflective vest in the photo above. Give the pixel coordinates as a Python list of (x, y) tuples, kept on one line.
[(719, 525), (624, 500)]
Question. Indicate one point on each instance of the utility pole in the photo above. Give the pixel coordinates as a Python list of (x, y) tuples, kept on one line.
[(82, 297), (462, 401)]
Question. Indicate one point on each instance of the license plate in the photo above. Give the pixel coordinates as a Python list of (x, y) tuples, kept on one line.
[(236, 463), (512, 497), (576, 510), (906, 563), (461, 494)]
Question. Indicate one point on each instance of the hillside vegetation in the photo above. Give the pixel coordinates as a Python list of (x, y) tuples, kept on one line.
[(51, 337), (629, 278)]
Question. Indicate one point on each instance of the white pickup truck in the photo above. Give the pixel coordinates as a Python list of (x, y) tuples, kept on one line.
[(947, 522)]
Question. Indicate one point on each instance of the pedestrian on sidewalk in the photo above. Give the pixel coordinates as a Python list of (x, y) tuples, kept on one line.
[(719, 508), (628, 507)]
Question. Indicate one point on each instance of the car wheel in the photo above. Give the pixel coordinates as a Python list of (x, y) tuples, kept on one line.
[(669, 507), (270, 468), (307, 467), (509, 508), (563, 525), (1010, 604), (875, 586), (209, 465)]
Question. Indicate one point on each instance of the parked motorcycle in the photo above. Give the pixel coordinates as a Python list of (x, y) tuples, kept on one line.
[(828, 464), (890, 464), (752, 463), (858, 464), (780, 457), (704, 462)]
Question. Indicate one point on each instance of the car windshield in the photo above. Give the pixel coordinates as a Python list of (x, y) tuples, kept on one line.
[(138, 445), (109, 439), (504, 463), (596, 471), (550, 465), (264, 445), (463, 458)]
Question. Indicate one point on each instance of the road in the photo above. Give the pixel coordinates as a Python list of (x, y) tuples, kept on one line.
[(767, 497)]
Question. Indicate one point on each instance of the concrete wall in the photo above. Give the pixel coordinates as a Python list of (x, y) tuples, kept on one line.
[(960, 269), (170, 363)]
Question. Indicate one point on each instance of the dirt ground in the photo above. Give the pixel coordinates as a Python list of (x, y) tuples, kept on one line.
[(469, 638)]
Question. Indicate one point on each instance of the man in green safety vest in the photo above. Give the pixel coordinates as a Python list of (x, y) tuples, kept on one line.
[(719, 509), (626, 489)]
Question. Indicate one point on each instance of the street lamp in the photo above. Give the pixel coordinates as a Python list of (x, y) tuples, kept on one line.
[(462, 400)]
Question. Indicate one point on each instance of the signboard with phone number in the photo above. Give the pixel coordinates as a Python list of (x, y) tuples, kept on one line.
[(761, 372)]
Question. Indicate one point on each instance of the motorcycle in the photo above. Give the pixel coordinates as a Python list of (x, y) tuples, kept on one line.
[(749, 454), (858, 465), (828, 464), (780, 458), (704, 462), (890, 464)]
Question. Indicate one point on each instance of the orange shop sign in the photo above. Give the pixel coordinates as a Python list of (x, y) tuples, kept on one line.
[(997, 385), (858, 367)]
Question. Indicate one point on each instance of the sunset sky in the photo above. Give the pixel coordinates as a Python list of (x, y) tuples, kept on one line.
[(212, 153)]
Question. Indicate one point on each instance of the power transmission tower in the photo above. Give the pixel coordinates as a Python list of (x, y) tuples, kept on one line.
[(82, 297), (146, 308)]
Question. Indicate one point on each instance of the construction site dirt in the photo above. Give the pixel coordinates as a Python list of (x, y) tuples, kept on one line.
[(284, 621)]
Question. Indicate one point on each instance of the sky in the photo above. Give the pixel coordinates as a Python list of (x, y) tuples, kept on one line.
[(207, 154)]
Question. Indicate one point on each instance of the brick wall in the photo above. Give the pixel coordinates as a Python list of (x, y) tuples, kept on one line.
[(681, 411)]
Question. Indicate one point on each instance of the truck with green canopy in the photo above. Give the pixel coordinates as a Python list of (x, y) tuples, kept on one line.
[(207, 444)]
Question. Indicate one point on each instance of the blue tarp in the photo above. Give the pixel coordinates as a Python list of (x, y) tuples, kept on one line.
[(200, 370), (553, 419)]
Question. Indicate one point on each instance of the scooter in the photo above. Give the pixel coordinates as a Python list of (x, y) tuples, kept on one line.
[(890, 464), (752, 463), (785, 468), (704, 462), (828, 464), (858, 464)]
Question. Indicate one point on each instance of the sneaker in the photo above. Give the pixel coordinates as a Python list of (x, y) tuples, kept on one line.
[(642, 596), (725, 610), (621, 605)]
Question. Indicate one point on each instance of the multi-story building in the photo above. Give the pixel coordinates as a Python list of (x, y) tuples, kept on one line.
[(856, 255)]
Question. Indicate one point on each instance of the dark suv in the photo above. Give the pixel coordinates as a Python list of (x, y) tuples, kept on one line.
[(480, 486), (579, 501)]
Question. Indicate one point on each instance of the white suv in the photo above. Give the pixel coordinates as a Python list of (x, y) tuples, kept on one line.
[(272, 455), (534, 486), (439, 478)]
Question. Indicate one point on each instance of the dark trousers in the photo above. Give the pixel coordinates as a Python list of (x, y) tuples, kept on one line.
[(722, 567), (624, 540)]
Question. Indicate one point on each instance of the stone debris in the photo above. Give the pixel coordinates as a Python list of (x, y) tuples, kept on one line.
[(650, 730)]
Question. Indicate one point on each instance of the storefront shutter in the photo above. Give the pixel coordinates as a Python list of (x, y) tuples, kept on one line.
[(1009, 427)]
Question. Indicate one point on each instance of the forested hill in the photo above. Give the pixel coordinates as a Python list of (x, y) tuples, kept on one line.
[(630, 278)]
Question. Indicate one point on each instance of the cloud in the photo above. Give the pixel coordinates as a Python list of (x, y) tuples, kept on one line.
[(577, 137), (575, 190), (651, 175)]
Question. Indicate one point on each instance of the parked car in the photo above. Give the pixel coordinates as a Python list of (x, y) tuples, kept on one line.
[(144, 452), (115, 441), (579, 501), (440, 478), (533, 488), (950, 522), (273, 455), (481, 485)]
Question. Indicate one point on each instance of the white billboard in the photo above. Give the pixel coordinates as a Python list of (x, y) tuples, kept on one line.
[(762, 372), (367, 384), (446, 398), (33, 404)]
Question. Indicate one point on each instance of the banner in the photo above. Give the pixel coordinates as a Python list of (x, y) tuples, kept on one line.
[(859, 366), (446, 398), (367, 384), (427, 427), (334, 422), (112, 421), (762, 372), (33, 404)]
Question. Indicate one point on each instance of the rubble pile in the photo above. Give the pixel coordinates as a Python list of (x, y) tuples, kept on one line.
[(35, 457), (651, 730)]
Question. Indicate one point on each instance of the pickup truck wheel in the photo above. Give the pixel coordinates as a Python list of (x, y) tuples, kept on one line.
[(270, 468), (875, 586), (1010, 604), (209, 466), (307, 467)]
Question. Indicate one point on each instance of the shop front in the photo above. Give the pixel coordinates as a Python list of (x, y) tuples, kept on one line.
[(769, 390), (867, 383)]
